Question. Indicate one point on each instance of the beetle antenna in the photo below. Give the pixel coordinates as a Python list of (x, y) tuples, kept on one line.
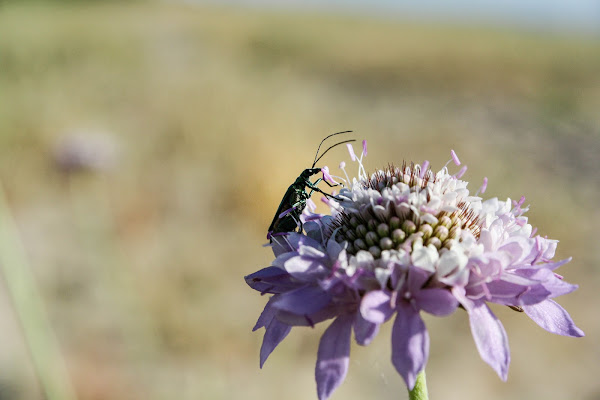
[(331, 147), (327, 137)]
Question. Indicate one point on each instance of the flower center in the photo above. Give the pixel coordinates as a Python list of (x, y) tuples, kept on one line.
[(400, 212)]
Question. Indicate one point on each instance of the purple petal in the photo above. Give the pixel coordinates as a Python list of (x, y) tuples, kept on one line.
[(312, 252), (280, 245), (552, 317), (266, 316), (502, 292), (327, 312), (376, 307), (542, 249), (333, 356), (274, 334), (517, 247), (410, 344), (551, 287), (364, 331), (436, 301), (299, 240), (271, 280), (314, 229), (517, 278), (306, 269), (280, 260), (334, 249), (416, 279), (305, 300), (486, 238), (554, 265), (291, 242), (490, 337)]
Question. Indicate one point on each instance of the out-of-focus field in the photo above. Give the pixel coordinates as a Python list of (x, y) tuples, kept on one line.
[(213, 112)]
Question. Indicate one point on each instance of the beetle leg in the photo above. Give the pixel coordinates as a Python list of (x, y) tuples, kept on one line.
[(313, 188)]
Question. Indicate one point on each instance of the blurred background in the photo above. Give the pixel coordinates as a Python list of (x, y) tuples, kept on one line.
[(145, 146)]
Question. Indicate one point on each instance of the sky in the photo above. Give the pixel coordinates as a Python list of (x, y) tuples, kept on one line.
[(580, 16)]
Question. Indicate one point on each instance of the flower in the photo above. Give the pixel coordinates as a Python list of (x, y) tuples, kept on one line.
[(85, 151), (400, 241)]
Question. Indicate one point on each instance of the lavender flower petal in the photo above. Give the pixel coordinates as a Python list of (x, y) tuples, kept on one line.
[(327, 312), (275, 332), (305, 300), (553, 318), (291, 242), (490, 337), (364, 331), (282, 258), (435, 301), (271, 280), (376, 307), (306, 269), (551, 286), (266, 316), (333, 356), (410, 344)]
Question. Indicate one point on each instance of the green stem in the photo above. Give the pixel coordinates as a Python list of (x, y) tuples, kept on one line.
[(419, 392), (29, 307)]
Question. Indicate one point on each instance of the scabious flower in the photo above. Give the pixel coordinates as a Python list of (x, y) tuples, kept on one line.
[(400, 241), (85, 152)]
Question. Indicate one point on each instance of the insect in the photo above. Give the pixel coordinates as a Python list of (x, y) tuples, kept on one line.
[(287, 217)]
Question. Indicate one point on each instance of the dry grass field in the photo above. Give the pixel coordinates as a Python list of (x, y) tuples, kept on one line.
[(193, 121)]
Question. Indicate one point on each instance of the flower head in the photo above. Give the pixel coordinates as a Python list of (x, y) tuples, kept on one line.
[(400, 241), (81, 151)]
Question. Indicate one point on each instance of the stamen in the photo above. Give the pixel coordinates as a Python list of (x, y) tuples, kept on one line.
[(520, 202), (486, 291), (285, 237), (313, 217), (394, 294), (483, 187), (460, 173), (351, 152), (517, 210), (343, 168), (454, 157), (340, 178), (362, 173), (286, 212), (326, 176), (559, 276), (424, 167)]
